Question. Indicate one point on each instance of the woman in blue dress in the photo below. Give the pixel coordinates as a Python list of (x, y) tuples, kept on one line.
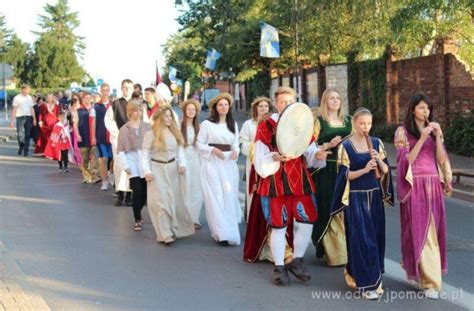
[(360, 195)]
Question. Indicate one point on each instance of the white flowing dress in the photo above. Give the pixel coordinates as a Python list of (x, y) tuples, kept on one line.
[(120, 176), (192, 179), (220, 182), (247, 137), (165, 202)]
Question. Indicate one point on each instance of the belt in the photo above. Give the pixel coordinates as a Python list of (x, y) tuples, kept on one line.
[(164, 162), (221, 147)]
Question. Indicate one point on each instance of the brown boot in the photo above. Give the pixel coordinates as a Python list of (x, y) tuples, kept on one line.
[(280, 276), (299, 270)]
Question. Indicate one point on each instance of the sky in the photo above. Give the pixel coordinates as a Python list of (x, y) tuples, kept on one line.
[(123, 38)]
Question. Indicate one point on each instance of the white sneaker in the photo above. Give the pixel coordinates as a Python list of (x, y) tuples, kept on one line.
[(111, 178), (370, 295), (431, 293), (105, 186)]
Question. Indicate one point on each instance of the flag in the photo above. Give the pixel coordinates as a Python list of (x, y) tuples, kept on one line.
[(269, 42), (158, 79), (172, 74), (212, 57)]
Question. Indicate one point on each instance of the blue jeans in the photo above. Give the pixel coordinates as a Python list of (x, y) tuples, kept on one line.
[(23, 130)]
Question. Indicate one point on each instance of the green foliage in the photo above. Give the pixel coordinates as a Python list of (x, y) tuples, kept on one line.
[(5, 32), (327, 30), (185, 53), (418, 23), (367, 87), (91, 83), (383, 131), (459, 136), (55, 62), (258, 86), (13, 51)]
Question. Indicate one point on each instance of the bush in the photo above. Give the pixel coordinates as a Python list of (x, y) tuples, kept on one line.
[(384, 132), (459, 137)]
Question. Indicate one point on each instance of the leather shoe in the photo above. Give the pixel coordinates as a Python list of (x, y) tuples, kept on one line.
[(280, 276), (299, 270)]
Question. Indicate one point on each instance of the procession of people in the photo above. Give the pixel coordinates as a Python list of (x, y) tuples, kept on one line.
[(332, 193)]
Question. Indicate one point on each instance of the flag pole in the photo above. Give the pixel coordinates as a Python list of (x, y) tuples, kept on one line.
[(296, 46)]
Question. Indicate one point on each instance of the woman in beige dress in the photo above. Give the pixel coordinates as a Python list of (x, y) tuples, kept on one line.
[(163, 162)]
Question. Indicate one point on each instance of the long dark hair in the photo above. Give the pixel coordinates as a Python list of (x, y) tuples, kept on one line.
[(410, 123), (214, 117)]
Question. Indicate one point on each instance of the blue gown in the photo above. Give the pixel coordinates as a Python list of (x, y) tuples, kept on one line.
[(362, 201)]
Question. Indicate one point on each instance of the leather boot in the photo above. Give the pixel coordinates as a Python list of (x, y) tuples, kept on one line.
[(280, 276), (299, 270)]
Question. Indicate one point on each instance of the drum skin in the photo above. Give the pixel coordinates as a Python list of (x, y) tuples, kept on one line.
[(294, 130)]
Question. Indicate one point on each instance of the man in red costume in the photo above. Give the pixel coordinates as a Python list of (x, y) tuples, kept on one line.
[(287, 192)]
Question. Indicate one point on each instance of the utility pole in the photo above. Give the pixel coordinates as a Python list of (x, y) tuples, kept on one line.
[(296, 46), (4, 84)]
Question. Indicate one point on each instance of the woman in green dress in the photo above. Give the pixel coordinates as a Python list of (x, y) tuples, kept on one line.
[(329, 130)]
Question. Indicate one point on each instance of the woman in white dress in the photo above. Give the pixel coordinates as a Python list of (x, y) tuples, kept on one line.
[(259, 107), (163, 162), (192, 179), (218, 145)]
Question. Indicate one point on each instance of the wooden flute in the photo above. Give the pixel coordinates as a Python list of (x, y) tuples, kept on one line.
[(378, 175)]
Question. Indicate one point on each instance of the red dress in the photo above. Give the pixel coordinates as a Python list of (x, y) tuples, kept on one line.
[(58, 141), (49, 118)]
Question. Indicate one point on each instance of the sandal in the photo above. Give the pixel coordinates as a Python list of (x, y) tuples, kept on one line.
[(137, 227)]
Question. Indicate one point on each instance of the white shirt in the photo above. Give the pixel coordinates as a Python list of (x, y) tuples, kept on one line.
[(23, 105), (131, 161)]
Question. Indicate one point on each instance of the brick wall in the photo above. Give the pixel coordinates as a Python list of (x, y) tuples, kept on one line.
[(442, 77), (461, 88)]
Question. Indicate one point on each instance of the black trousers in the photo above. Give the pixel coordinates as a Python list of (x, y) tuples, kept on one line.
[(120, 195), (138, 186), (63, 162)]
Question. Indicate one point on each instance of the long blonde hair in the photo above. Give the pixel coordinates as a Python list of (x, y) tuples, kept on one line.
[(159, 127), (324, 104)]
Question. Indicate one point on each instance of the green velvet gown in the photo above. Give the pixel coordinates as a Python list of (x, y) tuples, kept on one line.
[(329, 233)]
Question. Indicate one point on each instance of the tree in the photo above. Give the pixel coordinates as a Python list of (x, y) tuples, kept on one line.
[(90, 82), (5, 32), (56, 51), (14, 51), (419, 23), (187, 56), (328, 32)]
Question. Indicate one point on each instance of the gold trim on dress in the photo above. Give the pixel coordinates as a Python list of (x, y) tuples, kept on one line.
[(251, 152), (401, 141), (343, 159), (317, 129), (446, 176)]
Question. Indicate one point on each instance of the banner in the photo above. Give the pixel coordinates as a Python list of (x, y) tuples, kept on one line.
[(172, 74), (158, 79), (269, 41), (211, 60)]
